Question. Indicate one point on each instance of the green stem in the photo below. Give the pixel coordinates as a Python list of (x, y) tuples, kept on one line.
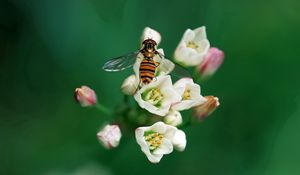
[(126, 99), (196, 75), (103, 109)]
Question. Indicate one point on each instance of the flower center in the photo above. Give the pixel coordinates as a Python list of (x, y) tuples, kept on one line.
[(186, 95), (153, 139), (192, 45), (154, 96)]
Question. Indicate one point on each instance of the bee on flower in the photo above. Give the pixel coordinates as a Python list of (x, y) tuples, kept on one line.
[(157, 95)]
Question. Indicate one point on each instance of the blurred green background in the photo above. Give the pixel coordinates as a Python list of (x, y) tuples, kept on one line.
[(50, 47)]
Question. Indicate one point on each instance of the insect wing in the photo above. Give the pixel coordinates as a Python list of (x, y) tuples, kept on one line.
[(120, 63), (175, 69), (166, 66)]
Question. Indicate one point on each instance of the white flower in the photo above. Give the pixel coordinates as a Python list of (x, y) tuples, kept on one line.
[(157, 96), (190, 93), (109, 136), (173, 118), (155, 140), (179, 140), (130, 85), (149, 33), (192, 47)]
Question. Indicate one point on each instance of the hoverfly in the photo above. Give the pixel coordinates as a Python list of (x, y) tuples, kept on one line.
[(148, 65)]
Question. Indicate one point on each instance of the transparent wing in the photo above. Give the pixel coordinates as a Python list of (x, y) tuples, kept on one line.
[(175, 69), (120, 63)]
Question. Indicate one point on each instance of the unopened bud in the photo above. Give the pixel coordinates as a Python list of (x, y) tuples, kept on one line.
[(173, 118), (85, 96), (211, 62), (130, 85), (110, 136), (205, 109)]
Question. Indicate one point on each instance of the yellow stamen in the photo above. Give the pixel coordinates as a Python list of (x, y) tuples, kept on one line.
[(192, 45), (154, 140), (186, 95), (154, 96)]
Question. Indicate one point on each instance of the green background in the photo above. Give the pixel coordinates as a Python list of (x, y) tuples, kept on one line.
[(50, 47)]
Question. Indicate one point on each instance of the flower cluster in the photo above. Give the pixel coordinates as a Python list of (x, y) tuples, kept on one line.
[(157, 120)]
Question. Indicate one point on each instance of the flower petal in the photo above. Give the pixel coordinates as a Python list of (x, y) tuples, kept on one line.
[(130, 85), (159, 127), (166, 147), (150, 33), (179, 140)]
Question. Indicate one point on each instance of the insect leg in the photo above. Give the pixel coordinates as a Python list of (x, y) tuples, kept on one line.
[(139, 85)]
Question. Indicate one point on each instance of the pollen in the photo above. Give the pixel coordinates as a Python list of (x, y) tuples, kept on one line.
[(186, 95), (192, 45), (154, 96), (154, 140)]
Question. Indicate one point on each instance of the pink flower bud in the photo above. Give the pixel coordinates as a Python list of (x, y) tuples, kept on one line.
[(85, 96), (205, 109), (109, 136), (211, 62)]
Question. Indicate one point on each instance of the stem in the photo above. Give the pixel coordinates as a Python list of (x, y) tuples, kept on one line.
[(103, 109), (126, 99), (196, 75)]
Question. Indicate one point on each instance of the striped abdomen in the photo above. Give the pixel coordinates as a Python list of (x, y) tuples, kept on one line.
[(147, 70)]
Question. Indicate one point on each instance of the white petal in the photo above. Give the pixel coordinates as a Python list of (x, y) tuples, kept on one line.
[(139, 135), (171, 95), (180, 85), (165, 65), (200, 33), (183, 105), (130, 85), (170, 132), (179, 140), (188, 35), (166, 147), (159, 127), (149, 33), (154, 158)]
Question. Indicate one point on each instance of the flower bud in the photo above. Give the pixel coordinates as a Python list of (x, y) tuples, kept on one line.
[(85, 96), (211, 62), (179, 140), (205, 109), (149, 33), (109, 136), (130, 85), (173, 118)]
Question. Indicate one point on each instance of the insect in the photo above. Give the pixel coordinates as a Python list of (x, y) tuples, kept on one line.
[(148, 65)]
